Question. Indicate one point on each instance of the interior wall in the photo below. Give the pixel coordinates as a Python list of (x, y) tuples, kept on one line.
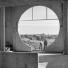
[(58, 45), (2, 29), (13, 14), (18, 60), (67, 26), (55, 61)]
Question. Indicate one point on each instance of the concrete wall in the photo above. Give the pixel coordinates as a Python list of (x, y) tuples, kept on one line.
[(58, 45), (2, 29), (55, 61), (18, 60), (67, 25), (13, 14)]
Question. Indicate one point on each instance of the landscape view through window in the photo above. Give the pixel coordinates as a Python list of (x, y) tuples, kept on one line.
[(38, 27)]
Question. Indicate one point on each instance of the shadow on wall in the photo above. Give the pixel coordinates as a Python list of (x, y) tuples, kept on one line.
[(8, 46), (58, 45)]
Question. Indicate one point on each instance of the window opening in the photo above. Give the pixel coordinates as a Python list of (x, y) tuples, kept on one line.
[(37, 25)]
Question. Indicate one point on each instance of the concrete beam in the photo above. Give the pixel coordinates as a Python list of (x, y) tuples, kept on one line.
[(20, 2), (65, 26), (2, 29)]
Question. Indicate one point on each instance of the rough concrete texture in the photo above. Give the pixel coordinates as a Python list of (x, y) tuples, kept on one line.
[(20, 2), (13, 15), (19, 45), (55, 61), (18, 60), (58, 45)]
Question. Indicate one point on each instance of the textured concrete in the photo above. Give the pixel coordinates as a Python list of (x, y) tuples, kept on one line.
[(55, 61), (13, 15), (18, 60), (20, 2)]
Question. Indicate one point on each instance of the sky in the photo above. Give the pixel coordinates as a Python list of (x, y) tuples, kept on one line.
[(36, 26)]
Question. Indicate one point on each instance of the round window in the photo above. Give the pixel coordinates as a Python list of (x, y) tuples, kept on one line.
[(38, 24)]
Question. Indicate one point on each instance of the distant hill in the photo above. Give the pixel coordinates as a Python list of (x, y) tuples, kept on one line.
[(38, 36)]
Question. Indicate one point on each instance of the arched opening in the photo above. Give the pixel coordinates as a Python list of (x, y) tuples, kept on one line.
[(38, 27)]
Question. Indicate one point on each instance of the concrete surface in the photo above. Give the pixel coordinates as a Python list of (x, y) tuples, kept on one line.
[(13, 15), (54, 61), (18, 60)]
